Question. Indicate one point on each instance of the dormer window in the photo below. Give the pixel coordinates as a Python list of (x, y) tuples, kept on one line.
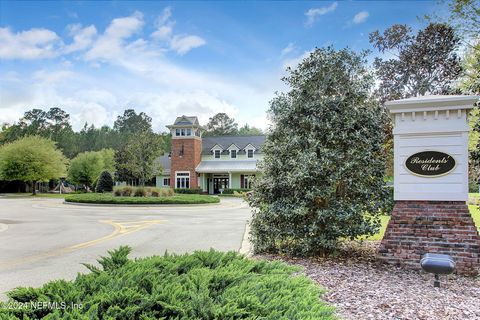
[(233, 154), (189, 132), (250, 153), (177, 132), (217, 154)]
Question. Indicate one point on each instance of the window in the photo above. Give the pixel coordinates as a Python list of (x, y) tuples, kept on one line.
[(217, 154), (250, 153), (183, 132), (177, 132), (166, 182), (183, 180), (233, 154), (189, 132)]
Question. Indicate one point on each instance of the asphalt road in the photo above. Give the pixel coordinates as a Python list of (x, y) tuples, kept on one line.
[(44, 239)]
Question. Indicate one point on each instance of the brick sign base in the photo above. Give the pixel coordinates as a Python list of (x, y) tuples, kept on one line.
[(419, 227)]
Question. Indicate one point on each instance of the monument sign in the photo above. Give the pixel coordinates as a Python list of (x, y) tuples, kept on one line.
[(431, 183)]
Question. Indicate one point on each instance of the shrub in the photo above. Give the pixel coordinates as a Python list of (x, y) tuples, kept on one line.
[(189, 191), (201, 285), (155, 192), (324, 159), (107, 198), (232, 191), (117, 191), (167, 192), (472, 187), (127, 191), (140, 192), (104, 182)]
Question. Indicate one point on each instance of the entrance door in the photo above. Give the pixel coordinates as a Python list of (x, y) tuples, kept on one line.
[(219, 184)]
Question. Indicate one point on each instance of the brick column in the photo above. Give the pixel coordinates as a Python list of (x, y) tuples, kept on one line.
[(419, 227), (186, 154)]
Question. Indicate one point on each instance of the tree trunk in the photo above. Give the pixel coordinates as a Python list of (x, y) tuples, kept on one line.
[(34, 188)]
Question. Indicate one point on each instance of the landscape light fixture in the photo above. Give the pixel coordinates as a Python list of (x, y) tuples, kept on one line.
[(437, 264)]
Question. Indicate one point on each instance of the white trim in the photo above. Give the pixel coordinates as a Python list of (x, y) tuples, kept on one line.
[(189, 180), (216, 147), (250, 146), (235, 147)]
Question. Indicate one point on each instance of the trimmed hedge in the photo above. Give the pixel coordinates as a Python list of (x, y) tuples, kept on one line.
[(203, 285), (232, 191), (189, 191), (108, 198)]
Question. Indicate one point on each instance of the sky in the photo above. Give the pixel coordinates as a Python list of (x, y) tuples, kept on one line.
[(95, 59)]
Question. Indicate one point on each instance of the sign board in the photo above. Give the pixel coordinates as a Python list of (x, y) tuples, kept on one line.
[(430, 164), (430, 139)]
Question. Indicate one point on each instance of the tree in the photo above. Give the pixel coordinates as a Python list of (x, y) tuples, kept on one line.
[(470, 82), (246, 130), (323, 160), (85, 168), (221, 125), (425, 63), (131, 122), (104, 182), (464, 16), (136, 160), (53, 124), (31, 159)]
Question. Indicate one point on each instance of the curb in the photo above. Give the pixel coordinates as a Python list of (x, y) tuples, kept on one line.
[(85, 204), (246, 247)]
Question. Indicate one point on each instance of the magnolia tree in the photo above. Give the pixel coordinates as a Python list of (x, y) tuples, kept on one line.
[(31, 159), (323, 160)]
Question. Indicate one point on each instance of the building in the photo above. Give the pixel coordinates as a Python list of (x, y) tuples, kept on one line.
[(212, 163)]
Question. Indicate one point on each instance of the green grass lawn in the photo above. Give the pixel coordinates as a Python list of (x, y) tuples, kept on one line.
[(108, 198), (473, 210)]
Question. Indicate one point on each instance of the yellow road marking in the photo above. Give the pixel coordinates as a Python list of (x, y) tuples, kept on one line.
[(120, 228)]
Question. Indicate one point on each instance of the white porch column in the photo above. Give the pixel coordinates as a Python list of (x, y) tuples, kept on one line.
[(229, 180)]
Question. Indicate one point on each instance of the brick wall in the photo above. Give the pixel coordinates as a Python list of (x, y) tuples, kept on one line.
[(419, 227), (192, 155)]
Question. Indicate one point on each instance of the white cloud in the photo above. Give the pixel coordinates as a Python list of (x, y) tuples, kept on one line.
[(291, 47), (30, 44), (82, 37), (183, 44), (143, 78), (164, 17), (111, 43), (360, 17), (163, 33), (178, 43), (313, 13)]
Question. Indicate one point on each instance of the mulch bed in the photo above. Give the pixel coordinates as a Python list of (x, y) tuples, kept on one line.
[(361, 288)]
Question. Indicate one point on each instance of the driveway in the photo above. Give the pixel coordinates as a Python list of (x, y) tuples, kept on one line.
[(44, 239)]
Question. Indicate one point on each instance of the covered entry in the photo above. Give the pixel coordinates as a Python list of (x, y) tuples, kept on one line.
[(217, 175)]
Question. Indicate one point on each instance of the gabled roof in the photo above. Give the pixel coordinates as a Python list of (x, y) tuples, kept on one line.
[(249, 146), (240, 141), (186, 121), (233, 146), (217, 146)]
